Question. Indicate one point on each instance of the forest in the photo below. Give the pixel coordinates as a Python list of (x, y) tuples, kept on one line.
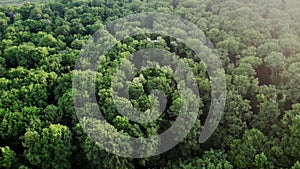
[(259, 47)]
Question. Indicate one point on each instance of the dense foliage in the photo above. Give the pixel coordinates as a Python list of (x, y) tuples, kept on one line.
[(259, 46)]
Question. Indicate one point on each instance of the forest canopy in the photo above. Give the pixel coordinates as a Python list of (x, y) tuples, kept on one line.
[(259, 47)]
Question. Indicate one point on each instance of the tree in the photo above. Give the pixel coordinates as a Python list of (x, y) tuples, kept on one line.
[(212, 159), (296, 165), (36, 13), (96, 155), (48, 41), (49, 148), (8, 157), (67, 110), (52, 64), (26, 55), (291, 81), (261, 161), (51, 115), (244, 80), (235, 121), (266, 48), (229, 47), (14, 124), (290, 127), (2, 66), (3, 21), (243, 151), (267, 117), (276, 62)]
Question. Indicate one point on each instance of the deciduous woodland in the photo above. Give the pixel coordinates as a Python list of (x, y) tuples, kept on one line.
[(259, 46)]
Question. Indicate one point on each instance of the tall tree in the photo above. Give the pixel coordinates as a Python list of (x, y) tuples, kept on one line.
[(49, 148)]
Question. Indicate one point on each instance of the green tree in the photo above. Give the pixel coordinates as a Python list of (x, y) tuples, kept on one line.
[(26, 55), (212, 159), (276, 62), (261, 161), (8, 157), (49, 148), (234, 122), (243, 151), (267, 117), (296, 165), (290, 81), (290, 125)]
